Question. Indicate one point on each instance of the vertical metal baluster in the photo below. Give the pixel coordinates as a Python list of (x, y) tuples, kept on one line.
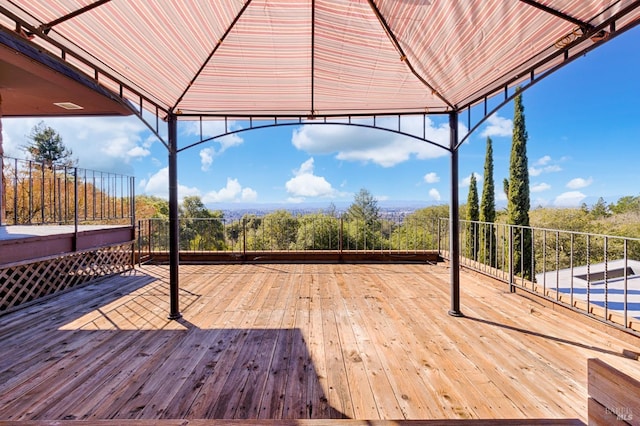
[(15, 192), (30, 192), (625, 293), (42, 194), (606, 279), (557, 265), (588, 274), (86, 201), (544, 261), (571, 268)]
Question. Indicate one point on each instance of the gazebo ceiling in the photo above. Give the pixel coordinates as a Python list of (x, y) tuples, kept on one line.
[(33, 84), (315, 57)]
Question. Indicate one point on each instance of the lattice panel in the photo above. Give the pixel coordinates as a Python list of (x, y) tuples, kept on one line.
[(24, 283)]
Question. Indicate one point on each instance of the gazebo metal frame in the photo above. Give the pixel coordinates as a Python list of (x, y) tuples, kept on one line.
[(61, 37)]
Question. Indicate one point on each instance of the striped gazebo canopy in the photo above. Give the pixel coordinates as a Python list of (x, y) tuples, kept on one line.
[(301, 58)]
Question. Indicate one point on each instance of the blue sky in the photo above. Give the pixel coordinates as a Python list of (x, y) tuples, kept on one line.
[(583, 124)]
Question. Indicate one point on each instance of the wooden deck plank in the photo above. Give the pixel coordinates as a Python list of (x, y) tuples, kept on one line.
[(396, 349), (386, 399), (360, 388), (338, 393), (296, 341), (192, 398), (280, 300), (317, 389)]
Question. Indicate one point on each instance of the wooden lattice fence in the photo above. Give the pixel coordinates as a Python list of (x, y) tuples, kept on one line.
[(21, 283)]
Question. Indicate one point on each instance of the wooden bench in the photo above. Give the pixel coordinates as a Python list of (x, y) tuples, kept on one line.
[(614, 397)]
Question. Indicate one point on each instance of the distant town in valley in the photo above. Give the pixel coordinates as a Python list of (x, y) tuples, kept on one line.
[(395, 210)]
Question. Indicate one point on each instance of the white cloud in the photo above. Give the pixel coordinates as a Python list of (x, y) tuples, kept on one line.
[(537, 171), (434, 194), (306, 184), (232, 192), (206, 158), (249, 194), (210, 129), (100, 143), (467, 181), (432, 177), (138, 151), (498, 126), (569, 199), (158, 185), (376, 146), (578, 183), (213, 128), (540, 187), (542, 161), (545, 164)]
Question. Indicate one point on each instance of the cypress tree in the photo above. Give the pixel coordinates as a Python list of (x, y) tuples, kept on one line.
[(488, 210), (473, 215), (518, 197)]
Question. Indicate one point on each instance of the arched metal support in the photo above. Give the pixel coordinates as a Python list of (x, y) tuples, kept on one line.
[(454, 216), (348, 121), (174, 224)]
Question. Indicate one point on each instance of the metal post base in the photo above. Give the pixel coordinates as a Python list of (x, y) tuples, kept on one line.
[(455, 313), (175, 316)]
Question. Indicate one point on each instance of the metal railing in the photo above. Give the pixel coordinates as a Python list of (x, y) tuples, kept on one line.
[(316, 232), (596, 274), (34, 193)]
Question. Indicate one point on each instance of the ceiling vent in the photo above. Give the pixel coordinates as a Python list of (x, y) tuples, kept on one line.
[(68, 105)]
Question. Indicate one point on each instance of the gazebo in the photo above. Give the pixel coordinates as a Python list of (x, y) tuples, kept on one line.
[(273, 63), (270, 63)]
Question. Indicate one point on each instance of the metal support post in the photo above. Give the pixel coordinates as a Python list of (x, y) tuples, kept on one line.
[(512, 288), (454, 220), (76, 205), (174, 225), (2, 194)]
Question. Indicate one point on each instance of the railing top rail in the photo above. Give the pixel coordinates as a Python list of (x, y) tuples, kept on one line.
[(535, 228), (62, 167)]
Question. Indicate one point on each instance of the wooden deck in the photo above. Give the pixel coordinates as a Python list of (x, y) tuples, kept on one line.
[(299, 341)]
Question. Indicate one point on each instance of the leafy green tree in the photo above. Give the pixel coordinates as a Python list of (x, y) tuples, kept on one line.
[(278, 230), (318, 232), (488, 211), (363, 226), (626, 204), (518, 196), (600, 209), (364, 208), (201, 229), (419, 230), (359, 236), (473, 215), (150, 206), (46, 146), (332, 210), (239, 230), (569, 247)]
